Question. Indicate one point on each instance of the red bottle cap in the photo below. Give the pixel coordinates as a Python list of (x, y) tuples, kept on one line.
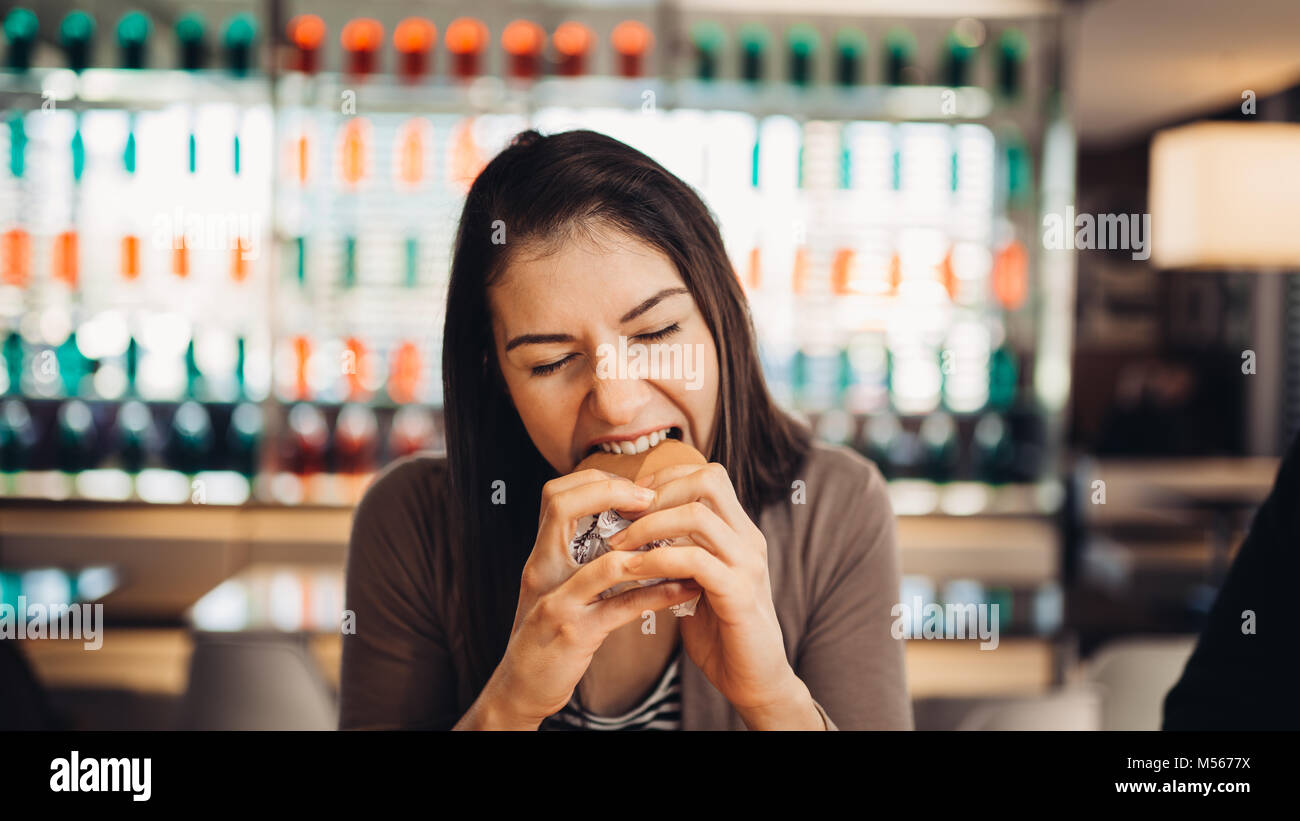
[(306, 32), (523, 40), (362, 38), (414, 39), (466, 38), (632, 40), (572, 42)]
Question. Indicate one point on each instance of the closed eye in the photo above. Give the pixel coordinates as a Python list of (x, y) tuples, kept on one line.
[(661, 333), (552, 367)]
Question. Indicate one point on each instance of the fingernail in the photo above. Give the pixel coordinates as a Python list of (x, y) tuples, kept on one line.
[(635, 561), (618, 537), (646, 480), (645, 493)]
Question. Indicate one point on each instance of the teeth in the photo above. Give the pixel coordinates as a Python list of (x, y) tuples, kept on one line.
[(640, 445)]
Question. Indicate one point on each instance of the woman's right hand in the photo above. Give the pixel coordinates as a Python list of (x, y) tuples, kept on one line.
[(560, 621)]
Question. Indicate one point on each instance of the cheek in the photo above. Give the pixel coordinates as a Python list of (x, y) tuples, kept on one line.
[(546, 406)]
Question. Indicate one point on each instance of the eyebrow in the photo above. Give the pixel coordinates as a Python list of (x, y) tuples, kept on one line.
[(539, 339)]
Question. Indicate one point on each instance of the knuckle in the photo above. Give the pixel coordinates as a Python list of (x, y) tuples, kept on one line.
[(551, 611), (569, 630), (548, 493), (530, 579), (556, 509), (616, 564)]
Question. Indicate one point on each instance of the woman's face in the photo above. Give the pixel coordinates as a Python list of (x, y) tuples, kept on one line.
[(557, 321)]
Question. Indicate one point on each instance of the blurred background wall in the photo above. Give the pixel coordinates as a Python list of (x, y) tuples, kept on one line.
[(226, 237)]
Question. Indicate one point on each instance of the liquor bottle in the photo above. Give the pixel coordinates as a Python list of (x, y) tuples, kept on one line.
[(76, 440), (137, 437), (356, 434), (938, 436), (244, 439), (190, 442), (18, 436)]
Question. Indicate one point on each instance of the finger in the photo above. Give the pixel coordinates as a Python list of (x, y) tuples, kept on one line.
[(562, 484), (707, 483), (598, 575), (668, 473), (576, 479), (616, 611), (561, 510), (725, 586), (694, 521)]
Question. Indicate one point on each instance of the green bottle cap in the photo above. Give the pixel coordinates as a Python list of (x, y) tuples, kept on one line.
[(132, 38), (804, 40), (237, 41), (77, 35), (900, 46), (958, 58), (1012, 47), (191, 39), (850, 50), (708, 38), (754, 39), (20, 27)]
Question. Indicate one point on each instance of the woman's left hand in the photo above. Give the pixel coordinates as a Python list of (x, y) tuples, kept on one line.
[(734, 636)]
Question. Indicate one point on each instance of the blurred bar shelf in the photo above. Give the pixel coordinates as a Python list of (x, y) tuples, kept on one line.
[(996, 550), (115, 88), (156, 661), (960, 669), (1159, 492)]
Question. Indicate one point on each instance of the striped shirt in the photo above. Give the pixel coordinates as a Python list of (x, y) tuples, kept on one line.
[(661, 710)]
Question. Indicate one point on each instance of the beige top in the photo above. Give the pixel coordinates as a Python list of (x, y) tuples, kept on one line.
[(832, 558)]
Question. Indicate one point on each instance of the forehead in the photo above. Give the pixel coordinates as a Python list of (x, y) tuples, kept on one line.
[(589, 270)]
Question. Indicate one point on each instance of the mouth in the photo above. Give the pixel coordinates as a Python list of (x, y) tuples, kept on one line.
[(638, 445)]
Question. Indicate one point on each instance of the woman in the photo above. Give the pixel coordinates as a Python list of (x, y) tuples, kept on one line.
[(470, 612)]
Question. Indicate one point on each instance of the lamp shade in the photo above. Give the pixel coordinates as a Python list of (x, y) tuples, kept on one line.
[(1226, 195)]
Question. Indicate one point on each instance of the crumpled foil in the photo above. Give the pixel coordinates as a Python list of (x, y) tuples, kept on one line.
[(591, 543)]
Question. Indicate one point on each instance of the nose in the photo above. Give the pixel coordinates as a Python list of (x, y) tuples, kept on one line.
[(617, 401)]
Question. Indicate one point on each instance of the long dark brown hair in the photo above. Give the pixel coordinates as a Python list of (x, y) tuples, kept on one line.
[(536, 193)]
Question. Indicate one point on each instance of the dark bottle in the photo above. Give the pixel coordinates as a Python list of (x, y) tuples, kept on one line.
[(189, 446), (356, 437), (137, 436), (939, 446), (244, 438), (18, 436), (77, 439), (307, 440), (993, 448)]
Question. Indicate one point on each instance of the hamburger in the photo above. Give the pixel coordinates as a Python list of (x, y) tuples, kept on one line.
[(634, 466), (594, 530)]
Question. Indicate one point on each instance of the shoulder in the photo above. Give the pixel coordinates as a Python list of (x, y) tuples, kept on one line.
[(844, 514), (411, 480), (839, 473), (402, 514)]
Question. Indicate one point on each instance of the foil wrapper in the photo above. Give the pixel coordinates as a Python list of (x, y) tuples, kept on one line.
[(592, 542)]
